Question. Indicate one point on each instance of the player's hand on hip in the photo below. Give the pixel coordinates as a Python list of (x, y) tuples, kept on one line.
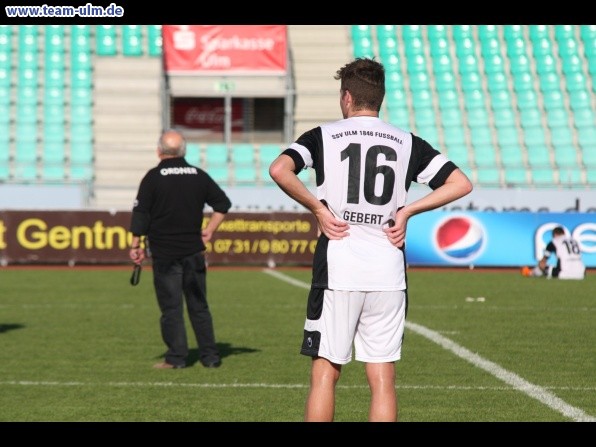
[(331, 227)]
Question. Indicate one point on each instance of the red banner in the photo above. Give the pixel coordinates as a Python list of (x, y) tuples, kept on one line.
[(206, 114), (211, 49)]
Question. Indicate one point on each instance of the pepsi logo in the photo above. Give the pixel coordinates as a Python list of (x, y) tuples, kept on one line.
[(459, 239)]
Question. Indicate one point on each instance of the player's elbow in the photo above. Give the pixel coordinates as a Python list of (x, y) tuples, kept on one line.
[(277, 169)]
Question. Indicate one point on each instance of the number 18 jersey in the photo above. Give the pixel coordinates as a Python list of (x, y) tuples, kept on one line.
[(364, 168)]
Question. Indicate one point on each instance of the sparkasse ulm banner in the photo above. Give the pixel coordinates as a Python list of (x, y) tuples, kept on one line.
[(213, 49)]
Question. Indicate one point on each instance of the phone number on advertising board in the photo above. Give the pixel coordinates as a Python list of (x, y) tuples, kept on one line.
[(262, 246)]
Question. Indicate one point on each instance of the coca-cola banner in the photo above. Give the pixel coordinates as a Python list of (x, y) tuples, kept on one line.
[(206, 114), (213, 49)]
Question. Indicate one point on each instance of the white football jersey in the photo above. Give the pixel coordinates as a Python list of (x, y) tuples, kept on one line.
[(569, 259), (364, 168)]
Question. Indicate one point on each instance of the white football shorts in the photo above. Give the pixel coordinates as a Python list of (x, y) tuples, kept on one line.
[(372, 323)]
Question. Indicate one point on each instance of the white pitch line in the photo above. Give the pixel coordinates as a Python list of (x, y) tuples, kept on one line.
[(539, 393)]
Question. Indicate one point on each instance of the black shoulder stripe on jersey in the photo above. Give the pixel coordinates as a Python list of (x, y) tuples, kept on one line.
[(298, 161), (441, 177)]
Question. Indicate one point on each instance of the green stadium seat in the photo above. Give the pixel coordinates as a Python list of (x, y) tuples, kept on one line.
[(481, 135), (570, 177), (216, 155), (243, 154), (430, 134), (557, 117), (419, 81), (436, 32), (471, 80), (154, 40), (454, 137), (488, 176), (458, 155), (572, 64), (132, 40), (416, 63), (193, 154), (490, 46), (527, 99), (220, 174), (439, 46), (549, 81), (26, 113), (80, 39), (81, 79), (575, 82), (474, 99), (539, 32), (399, 116), (516, 47), (26, 148), (424, 117), (545, 64), (363, 47), (53, 171), (580, 99), (422, 98), (500, 100), (511, 156), (245, 175), (81, 172), (566, 156), (530, 117), (586, 136), (485, 155), (519, 64), (448, 99), (81, 96), (494, 64), (394, 81), (584, 118), (451, 117), (486, 32), (53, 152), (538, 156), (553, 100), (81, 114), (543, 177), (504, 117), (478, 117), (534, 137), (462, 32), (516, 176), (468, 63), (588, 155), (105, 40), (25, 171), (564, 31), (507, 135), (496, 81), (587, 32), (442, 64), (267, 153), (395, 99), (53, 133), (386, 31)]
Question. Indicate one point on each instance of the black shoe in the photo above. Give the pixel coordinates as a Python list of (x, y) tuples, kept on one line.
[(215, 364)]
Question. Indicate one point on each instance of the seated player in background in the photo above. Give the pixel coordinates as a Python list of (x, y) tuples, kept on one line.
[(569, 261)]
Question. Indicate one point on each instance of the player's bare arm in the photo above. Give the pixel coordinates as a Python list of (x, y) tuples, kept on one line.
[(282, 172)]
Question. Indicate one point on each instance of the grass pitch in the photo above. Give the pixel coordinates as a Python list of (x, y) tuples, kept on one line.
[(480, 346)]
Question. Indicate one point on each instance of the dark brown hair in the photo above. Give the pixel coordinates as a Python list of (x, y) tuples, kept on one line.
[(364, 78)]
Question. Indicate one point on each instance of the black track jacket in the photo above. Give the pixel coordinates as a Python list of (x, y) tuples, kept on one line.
[(169, 206)]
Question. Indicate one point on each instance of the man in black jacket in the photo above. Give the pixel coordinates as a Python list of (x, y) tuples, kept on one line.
[(168, 211)]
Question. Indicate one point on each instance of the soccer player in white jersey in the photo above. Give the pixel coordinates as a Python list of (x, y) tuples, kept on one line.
[(358, 297), (569, 259)]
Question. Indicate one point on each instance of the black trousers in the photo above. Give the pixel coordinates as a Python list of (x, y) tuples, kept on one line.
[(173, 280)]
